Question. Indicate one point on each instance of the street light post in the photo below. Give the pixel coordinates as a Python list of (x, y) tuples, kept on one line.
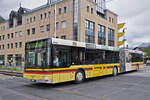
[(124, 38)]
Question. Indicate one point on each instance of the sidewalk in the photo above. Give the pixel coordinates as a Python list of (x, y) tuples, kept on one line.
[(11, 71)]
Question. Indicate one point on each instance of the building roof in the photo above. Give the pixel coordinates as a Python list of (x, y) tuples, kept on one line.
[(36, 9), (140, 48), (2, 19), (111, 12)]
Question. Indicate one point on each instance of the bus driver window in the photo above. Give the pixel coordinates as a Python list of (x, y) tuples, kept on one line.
[(56, 61)]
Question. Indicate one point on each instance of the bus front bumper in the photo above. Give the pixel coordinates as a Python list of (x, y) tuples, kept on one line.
[(39, 78)]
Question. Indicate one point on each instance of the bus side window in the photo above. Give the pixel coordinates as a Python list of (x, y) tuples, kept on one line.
[(63, 55)]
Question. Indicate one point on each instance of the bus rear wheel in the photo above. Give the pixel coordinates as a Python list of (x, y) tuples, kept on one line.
[(115, 71), (137, 67), (79, 76)]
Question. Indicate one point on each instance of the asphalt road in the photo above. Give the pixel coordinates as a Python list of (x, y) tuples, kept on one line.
[(129, 86)]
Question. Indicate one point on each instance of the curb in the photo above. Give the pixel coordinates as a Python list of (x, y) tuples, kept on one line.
[(12, 73)]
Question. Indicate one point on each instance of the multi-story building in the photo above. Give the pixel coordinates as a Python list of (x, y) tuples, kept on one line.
[(80, 20)]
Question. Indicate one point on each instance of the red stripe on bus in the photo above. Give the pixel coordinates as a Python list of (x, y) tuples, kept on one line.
[(37, 73), (63, 72), (88, 69), (109, 67)]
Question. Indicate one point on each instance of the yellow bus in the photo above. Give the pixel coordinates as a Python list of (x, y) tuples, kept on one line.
[(54, 60)]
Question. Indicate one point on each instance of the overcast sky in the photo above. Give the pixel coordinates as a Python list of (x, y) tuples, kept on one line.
[(136, 13)]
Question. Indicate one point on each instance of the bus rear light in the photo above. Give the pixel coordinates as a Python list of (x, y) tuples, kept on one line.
[(46, 81)]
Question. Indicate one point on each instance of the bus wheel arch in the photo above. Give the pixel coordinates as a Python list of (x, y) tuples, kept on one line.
[(115, 71), (80, 75)]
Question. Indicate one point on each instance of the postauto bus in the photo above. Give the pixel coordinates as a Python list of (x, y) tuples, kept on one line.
[(54, 60)]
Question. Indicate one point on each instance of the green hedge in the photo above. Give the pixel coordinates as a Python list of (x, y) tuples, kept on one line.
[(9, 68)]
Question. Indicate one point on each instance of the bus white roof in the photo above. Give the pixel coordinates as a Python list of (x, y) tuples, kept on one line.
[(134, 51), (57, 41)]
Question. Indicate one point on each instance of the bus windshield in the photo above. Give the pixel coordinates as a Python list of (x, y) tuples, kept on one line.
[(37, 54)]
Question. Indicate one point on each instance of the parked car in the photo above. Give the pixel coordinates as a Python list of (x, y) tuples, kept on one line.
[(148, 63)]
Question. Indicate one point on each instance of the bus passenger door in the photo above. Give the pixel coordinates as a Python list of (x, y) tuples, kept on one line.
[(122, 60), (128, 63)]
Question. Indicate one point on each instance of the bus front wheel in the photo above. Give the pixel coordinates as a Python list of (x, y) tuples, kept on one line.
[(79, 76)]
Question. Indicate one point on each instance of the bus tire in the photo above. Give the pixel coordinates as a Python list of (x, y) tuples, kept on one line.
[(137, 67), (115, 71), (79, 76)]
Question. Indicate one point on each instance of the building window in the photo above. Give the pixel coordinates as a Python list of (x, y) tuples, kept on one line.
[(21, 34), (34, 18), (3, 37), (111, 37), (18, 60), (8, 36), (20, 44), (89, 31), (49, 13), (101, 35), (109, 19), (28, 31), (3, 46), (8, 46), (59, 10), (92, 10), (48, 27), (27, 20), (33, 30), (16, 45), (41, 16), (12, 45), (42, 28), (57, 25), (65, 9), (100, 5), (31, 20), (12, 35), (63, 37), (17, 34), (0, 47), (88, 8), (45, 14), (63, 24), (112, 20)]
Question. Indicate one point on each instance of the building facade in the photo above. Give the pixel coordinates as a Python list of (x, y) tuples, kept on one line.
[(80, 20)]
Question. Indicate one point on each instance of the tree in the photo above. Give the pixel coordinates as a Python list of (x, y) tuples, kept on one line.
[(147, 51)]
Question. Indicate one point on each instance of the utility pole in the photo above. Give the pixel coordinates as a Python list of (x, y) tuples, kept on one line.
[(124, 38), (55, 11)]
